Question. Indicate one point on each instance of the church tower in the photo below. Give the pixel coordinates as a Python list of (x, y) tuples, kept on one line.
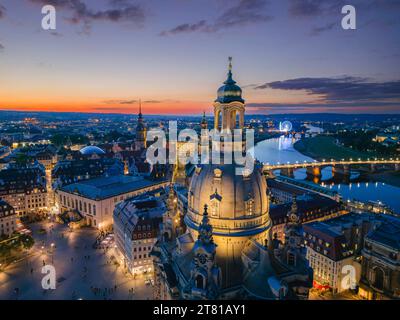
[(172, 220), (205, 275), (293, 236), (229, 106), (141, 131)]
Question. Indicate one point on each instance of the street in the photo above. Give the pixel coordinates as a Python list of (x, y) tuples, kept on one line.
[(81, 271)]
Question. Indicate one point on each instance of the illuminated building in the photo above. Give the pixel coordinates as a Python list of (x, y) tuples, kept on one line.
[(310, 207), (380, 278), (226, 251), (8, 219), (136, 226), (90, 162), (24, 188), (96, 199), (334, 244)]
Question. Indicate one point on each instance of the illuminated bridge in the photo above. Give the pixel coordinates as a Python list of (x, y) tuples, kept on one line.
[(341, 167)]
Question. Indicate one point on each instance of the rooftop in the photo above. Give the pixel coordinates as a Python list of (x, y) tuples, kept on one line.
[(387, 233), (107, 187)]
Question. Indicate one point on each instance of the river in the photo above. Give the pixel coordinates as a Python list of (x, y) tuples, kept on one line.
[(280, 150)]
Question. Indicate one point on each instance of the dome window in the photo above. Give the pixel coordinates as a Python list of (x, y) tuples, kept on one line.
[(217, 173)]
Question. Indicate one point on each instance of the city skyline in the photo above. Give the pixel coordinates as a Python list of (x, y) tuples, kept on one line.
[(289, 57)]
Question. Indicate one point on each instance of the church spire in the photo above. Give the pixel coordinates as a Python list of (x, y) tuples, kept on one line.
[(205, 228), (230, 80)]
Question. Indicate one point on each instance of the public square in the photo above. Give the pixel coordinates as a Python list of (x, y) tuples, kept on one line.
[(82, 272)]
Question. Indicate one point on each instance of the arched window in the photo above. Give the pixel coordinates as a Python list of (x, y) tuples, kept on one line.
[(199, 281), (379, 278), (291, 259), (250, 207)]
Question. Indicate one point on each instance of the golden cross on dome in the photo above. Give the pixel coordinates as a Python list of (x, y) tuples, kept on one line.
[(230, 63)]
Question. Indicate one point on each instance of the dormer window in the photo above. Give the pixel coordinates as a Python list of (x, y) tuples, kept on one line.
[(215, 200), (393, 256)]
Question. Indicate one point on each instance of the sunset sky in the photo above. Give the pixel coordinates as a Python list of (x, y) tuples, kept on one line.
[(289, 56)]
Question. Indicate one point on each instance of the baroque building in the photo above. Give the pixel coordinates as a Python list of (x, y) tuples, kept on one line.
[(224, 250), (380, 275)]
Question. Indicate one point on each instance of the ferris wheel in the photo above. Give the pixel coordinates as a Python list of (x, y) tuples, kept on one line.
[(285, 126)]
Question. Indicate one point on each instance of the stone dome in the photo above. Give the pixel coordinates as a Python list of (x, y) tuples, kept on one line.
[(89, 150), (235, 202)]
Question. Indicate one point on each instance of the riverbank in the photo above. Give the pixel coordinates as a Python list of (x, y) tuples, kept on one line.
[(392, 178), (322, 147)]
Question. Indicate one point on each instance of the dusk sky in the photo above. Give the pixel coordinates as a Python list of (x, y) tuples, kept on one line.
[(289, 56)]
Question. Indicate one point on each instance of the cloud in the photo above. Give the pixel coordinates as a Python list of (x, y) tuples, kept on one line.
[(244, 12), (56, 34), (126, 101), (377, 12), (186, 27), (118, 101), (310, 8), (345, 88), (351, 108), (1, 47), (318, 30), (2, 11), (120, 11)]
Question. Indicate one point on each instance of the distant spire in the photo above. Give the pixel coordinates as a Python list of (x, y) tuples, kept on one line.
[(140, 110), (204, 121)]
